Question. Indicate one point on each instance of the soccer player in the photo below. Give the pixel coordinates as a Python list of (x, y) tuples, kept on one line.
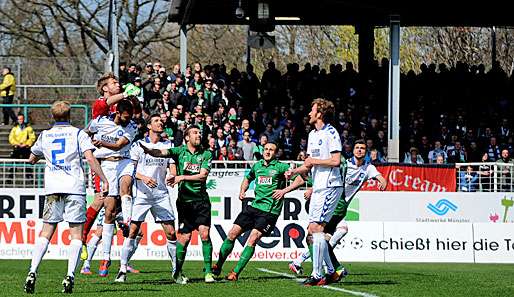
[(113, 135), (63, 147), (193, 204), (356, 171), (262, 215), (324, 150), (150, 193)]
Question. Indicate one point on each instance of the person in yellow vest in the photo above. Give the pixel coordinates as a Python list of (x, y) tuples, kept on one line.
[(22, 137), (7, 91)]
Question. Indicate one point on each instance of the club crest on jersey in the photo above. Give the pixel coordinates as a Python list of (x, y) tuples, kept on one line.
[(264, 180), (120, 133), (273, 172), (199, 158), (192, 167), (320, 142)]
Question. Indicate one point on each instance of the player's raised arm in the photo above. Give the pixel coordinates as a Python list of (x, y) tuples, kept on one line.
[(157, 153), (121, 143), (298, 182), (382, 182), (334, 161)]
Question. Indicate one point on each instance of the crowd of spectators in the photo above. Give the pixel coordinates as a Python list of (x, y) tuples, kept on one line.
[(448, 114)]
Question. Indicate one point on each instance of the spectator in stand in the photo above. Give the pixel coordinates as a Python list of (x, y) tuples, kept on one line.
[(234, 150), (123, 74), (506, 171), (493, 150), (221, 139), (439, 160), (432, 155), (425, 148), (287, 144), (456, 153), (211, 147), (247, 146), (504, 131), (347, 150), (245, 126), (486, 173), (302, 155), (7, 92), (258, 151), (468, 180), (375, 158), (413, 157), (22, 137), (272, 135)]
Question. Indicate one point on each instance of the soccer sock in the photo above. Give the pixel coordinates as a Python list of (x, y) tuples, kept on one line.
[(39, 251), (74, 254), (225, 250), (303, 257), (136, 245), (126, 251), (207, 255), (172, 252), (338, 235), (107, 234), (91, 248), (317, 254), (329, 258), (245, 258), (181, 256), (126, 208), (91, 214)]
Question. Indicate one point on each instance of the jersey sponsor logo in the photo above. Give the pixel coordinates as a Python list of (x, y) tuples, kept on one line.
[(192, 167), (355, 181), (264, 180), (109, 139), (154, 162), (315, 153)]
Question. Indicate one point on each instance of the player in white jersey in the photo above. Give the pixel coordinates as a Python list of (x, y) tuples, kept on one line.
[(355, 173), (324, 150), (113, 135), (63, 147), (151, 193)]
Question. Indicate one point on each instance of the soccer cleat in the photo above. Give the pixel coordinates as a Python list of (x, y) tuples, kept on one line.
[(232, 276), (86, 270), (209, 278), (339, 274), (295, 268), (67, 284), (216, 270), (181, 279), (30, 283), (83, 253), (103, 271), (131, 269), (121, 277), (312, 281)]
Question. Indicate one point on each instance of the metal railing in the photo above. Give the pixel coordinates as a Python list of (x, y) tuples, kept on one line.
[(479, 177), (485, 177), (27, 106), (56, 92)]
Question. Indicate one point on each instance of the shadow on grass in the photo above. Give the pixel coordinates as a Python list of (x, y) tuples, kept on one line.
[(366, 283)]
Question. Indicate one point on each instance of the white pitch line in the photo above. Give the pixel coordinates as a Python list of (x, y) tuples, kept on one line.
[(356, 293)]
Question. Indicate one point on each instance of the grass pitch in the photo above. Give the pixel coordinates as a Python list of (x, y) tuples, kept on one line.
[(365, 279)]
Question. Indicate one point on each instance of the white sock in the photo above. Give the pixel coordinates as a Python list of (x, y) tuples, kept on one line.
[(128, 246), (318, 245), (74, 254), (126, 208), (91, 247), (136, 245), (303, 257), (107, 235), (326, 259), (172, 251), (341, 231), (39, 251)]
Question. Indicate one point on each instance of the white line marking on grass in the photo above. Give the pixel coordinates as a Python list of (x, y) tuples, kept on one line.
[(356, 293)]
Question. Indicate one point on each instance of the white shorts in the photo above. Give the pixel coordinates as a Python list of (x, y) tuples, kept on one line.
[(114, 170), (65, 207), (160, 207), (323, 203)]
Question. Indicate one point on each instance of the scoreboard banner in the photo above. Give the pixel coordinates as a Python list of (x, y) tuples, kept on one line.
[(365, 241)]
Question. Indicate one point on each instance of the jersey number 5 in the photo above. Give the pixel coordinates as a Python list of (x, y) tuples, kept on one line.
[(62, 142)]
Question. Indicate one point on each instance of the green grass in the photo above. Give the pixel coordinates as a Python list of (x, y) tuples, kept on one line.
[(373, 278)]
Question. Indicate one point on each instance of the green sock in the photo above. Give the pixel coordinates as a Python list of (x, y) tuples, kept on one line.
[(181, 257), (225, 250), (245, 258), (310, 249), (207, 255)]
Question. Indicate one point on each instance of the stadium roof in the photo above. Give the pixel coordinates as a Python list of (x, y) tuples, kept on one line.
[(433, 13)]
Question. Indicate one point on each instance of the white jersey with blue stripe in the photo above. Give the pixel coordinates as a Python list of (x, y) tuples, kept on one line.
[(155, 168), (105, 129), (356, 176), (63, 147), (321, 144)]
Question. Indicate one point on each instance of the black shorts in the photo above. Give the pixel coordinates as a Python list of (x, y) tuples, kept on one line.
[(193, 214), (253, 218), (330, 228)]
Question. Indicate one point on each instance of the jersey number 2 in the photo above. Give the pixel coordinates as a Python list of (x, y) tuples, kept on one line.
[(62, 142)]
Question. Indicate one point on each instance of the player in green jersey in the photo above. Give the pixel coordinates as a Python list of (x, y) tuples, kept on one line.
[(193, 204), (261, 216)]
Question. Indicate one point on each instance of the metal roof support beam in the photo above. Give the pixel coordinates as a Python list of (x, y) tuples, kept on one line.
[(366, 47), (183, 49), (393, 147)]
